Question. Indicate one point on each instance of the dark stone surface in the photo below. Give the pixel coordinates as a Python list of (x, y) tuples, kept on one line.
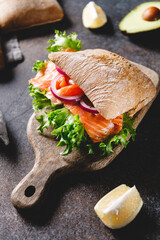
[(68, 211)]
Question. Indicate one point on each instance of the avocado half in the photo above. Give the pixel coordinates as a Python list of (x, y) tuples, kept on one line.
[(134, 23)]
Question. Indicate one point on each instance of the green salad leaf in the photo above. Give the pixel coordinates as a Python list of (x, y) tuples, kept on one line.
[(66, 127), (38, 65), (40, 101), (69, 130), (61, 41), (121, 138)]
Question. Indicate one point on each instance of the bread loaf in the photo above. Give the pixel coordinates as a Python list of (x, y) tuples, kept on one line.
[(16, 14)]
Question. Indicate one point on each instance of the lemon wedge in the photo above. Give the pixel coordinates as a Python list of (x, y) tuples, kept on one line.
[(93, 16), (119, 207)]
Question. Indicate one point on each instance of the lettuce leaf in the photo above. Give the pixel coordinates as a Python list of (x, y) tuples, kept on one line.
[(66, 127), (38, 65), (40, 101), (69, 130), (61, 41), (121, 138)]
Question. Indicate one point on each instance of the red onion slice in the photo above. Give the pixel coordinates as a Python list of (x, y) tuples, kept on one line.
[(56, 93), (86, 107), (60, 71)]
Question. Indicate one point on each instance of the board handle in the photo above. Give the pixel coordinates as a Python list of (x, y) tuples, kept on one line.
[(29, 192)]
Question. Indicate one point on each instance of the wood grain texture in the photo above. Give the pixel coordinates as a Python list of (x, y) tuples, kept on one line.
[(50, 164)]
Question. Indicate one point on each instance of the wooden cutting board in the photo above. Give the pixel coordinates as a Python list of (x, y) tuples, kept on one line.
[(49, 164)]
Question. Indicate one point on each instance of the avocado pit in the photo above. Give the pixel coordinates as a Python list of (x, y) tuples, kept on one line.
[(151, 14)]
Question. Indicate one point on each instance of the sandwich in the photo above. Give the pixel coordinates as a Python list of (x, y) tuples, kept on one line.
[(88, 97)]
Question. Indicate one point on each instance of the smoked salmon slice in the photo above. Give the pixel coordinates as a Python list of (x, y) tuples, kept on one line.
[(43, 80), (44, 77), (97, 127), (65, 88)]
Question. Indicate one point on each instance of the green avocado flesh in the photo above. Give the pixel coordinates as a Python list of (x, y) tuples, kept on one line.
[(134, 23)]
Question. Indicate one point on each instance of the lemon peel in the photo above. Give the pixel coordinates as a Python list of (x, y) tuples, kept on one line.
[(119, 207), (93, 16)]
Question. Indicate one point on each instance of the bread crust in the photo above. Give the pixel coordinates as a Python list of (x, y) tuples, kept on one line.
[(112, 83), (15, 14)]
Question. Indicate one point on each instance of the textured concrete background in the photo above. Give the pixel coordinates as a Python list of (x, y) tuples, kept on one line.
[(68, 211)]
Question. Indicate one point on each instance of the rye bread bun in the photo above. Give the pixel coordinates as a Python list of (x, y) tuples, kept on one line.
[(20, 14), (111, 82)]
